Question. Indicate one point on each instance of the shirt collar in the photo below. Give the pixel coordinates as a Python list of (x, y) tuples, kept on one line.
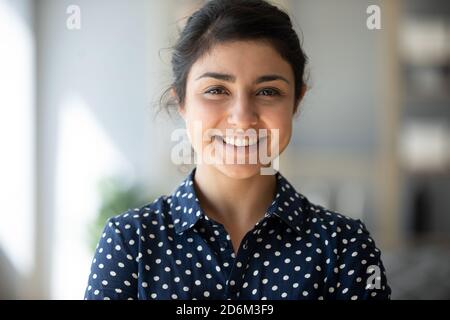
[(288, 205)]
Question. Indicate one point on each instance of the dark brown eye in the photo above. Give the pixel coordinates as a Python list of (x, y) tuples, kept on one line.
[(215, 91), (268, 92)]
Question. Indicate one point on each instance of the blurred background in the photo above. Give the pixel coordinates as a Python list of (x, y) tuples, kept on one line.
[(80, 140)]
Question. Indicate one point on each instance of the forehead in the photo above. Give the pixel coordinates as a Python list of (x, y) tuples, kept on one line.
[(244, 59)]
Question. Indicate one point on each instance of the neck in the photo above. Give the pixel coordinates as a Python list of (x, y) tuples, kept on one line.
[(234, 202)]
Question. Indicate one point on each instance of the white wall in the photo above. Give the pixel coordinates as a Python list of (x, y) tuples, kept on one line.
[(340, 110), (96, 89), (17, 145)]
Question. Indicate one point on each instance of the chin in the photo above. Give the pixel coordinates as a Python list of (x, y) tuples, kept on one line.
[(239, 171)]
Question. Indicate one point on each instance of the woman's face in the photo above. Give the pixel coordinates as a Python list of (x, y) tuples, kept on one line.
[(232, 92)]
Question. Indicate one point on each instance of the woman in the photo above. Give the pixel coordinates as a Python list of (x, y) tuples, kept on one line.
[(230, 230)]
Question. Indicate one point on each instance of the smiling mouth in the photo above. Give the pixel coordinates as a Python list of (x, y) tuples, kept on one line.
[(239, 142)]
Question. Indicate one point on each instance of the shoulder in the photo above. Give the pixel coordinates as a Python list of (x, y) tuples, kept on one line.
[(354, 266), (126, 237), (313, 219), (137, 222), (335, 229), (321, 217)]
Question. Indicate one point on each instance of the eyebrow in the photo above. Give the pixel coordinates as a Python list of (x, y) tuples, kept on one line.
[(231, 78)]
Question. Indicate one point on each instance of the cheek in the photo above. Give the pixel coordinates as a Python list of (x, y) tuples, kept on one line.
[(283, 122), (199, 110), (195, 128), (199, 118)]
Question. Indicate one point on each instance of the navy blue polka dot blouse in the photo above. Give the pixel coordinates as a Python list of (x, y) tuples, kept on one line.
[(170, 249)]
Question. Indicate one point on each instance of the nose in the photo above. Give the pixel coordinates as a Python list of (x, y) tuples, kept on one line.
[(242, 113)]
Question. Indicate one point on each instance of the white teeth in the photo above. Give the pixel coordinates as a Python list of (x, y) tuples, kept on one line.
[(229, 140), (238, 142)]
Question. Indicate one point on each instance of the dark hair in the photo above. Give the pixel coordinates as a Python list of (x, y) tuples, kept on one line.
[(219, 21)]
